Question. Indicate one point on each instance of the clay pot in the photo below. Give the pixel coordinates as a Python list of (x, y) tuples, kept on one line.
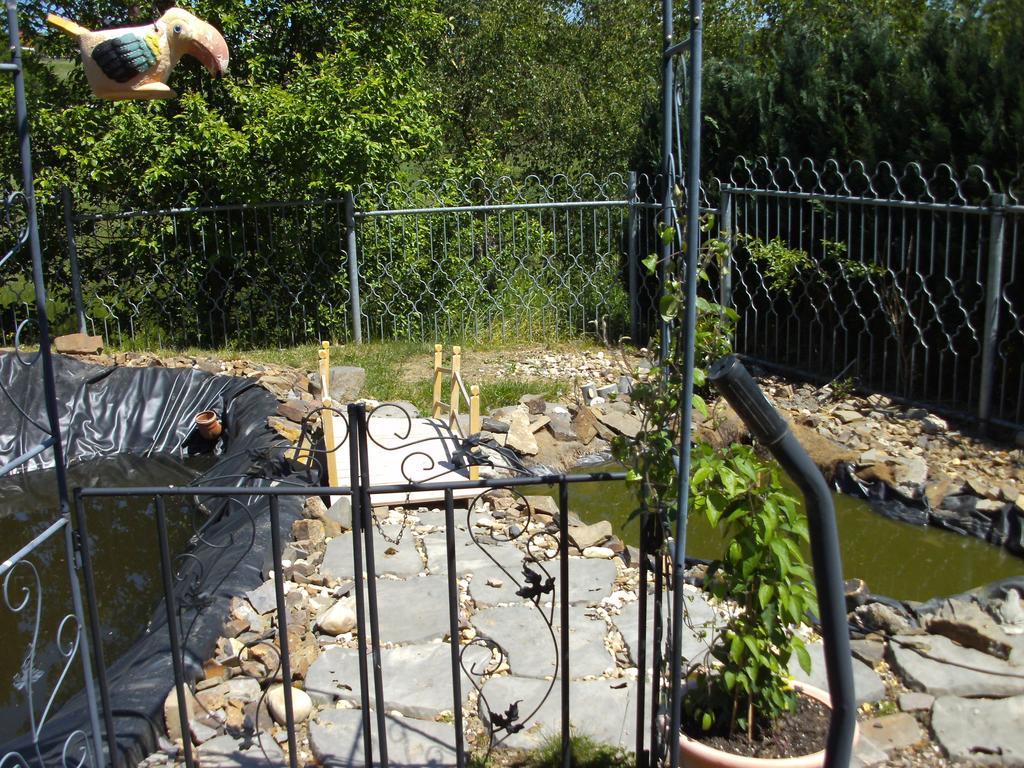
[(695, 754), (209, 425)]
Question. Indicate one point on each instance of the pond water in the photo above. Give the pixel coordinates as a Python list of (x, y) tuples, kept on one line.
[(900, 560), (125, 553)]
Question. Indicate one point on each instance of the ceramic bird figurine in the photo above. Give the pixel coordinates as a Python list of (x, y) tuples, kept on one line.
[(135, 62)]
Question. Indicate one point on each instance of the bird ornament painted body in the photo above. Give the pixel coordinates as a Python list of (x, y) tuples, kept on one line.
[(135, 62)]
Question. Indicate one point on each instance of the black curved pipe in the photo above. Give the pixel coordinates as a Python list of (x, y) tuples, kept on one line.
[(737, 386)]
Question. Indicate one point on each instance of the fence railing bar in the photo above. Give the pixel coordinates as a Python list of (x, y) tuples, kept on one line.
[(358, 432), (563, 612), (282, 627), (167, 578), (553, 205), (357, 568), (96, 629), (36, 542), (453, 626), (79, 218), (852, 200), (83, 639), (278, 490), (27, 456)]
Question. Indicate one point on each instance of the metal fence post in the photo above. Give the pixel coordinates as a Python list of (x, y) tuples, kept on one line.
[(631, 248), (76, 280), (353, 267), (725, 232), (993, 285)]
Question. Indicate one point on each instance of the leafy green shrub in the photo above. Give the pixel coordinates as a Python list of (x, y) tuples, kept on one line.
[(762, 574)]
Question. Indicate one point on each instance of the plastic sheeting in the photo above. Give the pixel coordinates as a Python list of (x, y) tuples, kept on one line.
[(144, 411), (958, 513)]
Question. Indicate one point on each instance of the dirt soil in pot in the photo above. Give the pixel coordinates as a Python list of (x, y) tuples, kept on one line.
[(797, 733)]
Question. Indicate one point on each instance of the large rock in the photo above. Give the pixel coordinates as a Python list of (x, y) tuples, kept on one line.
[(79, 344), (621, 423), (520, 437), (585, 425), (336, 738), (347, 382), (584, 536), (970, 626), (937, 665), (561, 424), (417, 678), (338, 619), (980, 731), (302, 705)]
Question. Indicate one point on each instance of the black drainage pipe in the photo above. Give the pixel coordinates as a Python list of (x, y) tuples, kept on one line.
[(737, 386)]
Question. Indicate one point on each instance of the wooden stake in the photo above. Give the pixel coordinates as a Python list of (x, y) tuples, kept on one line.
[(435, 411), (453, 414), (474, 424), (327, 417)]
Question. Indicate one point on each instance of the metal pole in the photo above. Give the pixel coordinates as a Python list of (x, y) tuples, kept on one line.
[(360, 426), (453, 625), (667, 209), (282, 627), (166, 573), (353, 267), (631, 260), (27, 180), (74, 564), (725, 232), (686, 401), (95, 629), (354, 414), (563, 614), (993, 293), (76, 279)]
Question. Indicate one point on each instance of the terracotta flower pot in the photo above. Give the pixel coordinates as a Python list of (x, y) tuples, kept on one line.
[(695, 754), (209, 425)]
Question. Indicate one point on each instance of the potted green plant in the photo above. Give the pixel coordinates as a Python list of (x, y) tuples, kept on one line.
[(743, 695)]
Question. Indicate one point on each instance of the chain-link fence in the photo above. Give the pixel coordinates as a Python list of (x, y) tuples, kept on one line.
[(907, 283), (466, 260)]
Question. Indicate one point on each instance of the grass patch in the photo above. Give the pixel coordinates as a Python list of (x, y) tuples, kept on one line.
[(384, 363), (586, 753)]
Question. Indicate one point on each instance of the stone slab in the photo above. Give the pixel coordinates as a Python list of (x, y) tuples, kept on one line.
[(336, 738), (523, 633), (604, 710), (867, 754), (412, 611), (951, 670), (697, 629), (228, 752), (890, 732), (867, 685), (417, 679), (470, 554), (980, 731), (915, 701), (389, 560), (589, 582)]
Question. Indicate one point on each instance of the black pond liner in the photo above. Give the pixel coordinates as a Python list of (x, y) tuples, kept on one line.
[(142, 411), (1003, 527)]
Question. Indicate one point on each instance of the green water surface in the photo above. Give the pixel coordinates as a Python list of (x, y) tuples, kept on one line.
[(900, 560)]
